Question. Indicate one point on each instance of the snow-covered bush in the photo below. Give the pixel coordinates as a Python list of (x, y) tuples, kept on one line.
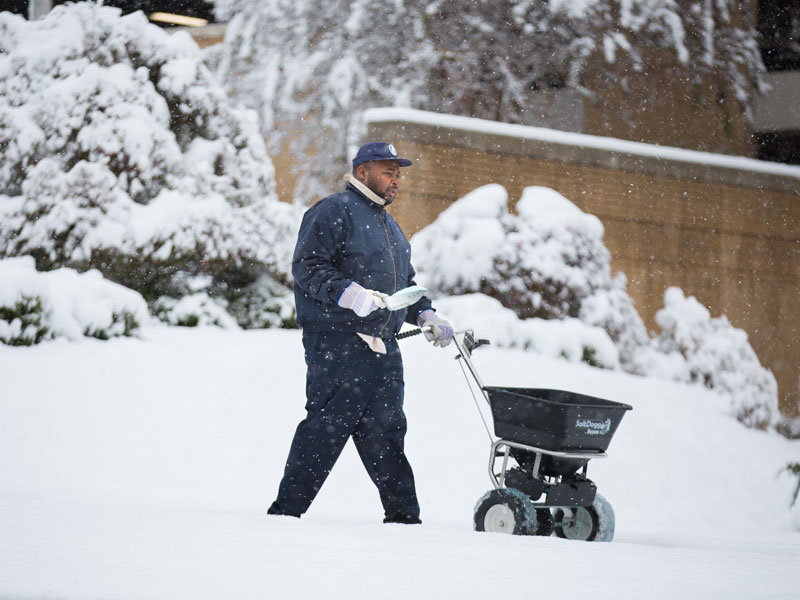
[(311, 67), (192, 311), (547, 262), (694, 347), (544, 274), (792, 471), (789, 427), (120, 152), (37, 306), (569, 338), (265, 303), (22, 321), (612, 310)]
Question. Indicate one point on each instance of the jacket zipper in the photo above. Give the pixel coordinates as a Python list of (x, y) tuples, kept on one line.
[(382, 219)]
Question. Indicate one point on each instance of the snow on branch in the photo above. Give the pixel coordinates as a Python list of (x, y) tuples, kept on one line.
[(119, 151), (311, 67)]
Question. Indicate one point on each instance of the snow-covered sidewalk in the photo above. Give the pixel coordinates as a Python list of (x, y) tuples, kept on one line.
[(66, 548), (142, 469)]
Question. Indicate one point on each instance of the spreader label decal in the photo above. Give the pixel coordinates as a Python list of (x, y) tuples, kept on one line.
[(594, 427)]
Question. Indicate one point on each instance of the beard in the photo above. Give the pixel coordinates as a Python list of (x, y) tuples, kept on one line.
[(373, 184)]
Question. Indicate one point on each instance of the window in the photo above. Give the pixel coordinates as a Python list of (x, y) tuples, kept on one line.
[(198, 9), (779, 27)]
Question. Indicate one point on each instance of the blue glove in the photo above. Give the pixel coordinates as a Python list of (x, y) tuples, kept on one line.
[(361, 301), (438, 331)]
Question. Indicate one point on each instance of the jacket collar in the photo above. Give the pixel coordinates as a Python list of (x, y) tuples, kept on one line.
[(364, 190)]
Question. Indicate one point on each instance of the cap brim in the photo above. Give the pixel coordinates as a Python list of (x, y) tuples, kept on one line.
[(401, 162)]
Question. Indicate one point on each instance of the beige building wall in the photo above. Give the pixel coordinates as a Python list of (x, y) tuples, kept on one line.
[(728, 236)]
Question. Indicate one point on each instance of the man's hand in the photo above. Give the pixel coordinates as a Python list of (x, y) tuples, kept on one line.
[(440, 332), (361, 301)]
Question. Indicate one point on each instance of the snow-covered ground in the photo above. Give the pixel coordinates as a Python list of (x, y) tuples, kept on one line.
[(142, 468)]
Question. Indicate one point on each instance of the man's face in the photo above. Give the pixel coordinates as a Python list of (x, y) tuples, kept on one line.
[(382, 177)]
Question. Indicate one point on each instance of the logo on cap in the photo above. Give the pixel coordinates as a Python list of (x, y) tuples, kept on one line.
[(392, 150)]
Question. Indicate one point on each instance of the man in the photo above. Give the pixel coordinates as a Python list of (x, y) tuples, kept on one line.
[(350, 255)]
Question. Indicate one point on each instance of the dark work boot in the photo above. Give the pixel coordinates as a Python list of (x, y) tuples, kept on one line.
[(276, 510), (403, 519)]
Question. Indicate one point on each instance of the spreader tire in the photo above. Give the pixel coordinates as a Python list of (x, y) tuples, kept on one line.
[(593, 523), (505, 510)]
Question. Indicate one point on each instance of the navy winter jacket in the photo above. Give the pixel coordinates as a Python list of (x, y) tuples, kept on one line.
[(343, 238)]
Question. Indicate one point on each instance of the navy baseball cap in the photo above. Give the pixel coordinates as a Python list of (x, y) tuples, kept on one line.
[(378, 151)]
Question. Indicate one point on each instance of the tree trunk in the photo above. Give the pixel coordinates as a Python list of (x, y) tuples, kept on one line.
[(37, 9)]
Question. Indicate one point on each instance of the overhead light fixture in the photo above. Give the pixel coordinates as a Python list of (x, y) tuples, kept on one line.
[(172, 19)]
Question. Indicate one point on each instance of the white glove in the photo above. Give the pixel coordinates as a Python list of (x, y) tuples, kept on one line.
[(439, 331), (360, 300)]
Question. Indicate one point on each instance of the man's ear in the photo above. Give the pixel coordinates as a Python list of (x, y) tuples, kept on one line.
[(361, 172)]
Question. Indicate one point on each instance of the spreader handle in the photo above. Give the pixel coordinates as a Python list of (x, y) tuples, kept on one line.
[(406, 334), (409, 333)]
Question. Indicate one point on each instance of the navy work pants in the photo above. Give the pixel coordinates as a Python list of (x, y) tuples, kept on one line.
[(351, 391)]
